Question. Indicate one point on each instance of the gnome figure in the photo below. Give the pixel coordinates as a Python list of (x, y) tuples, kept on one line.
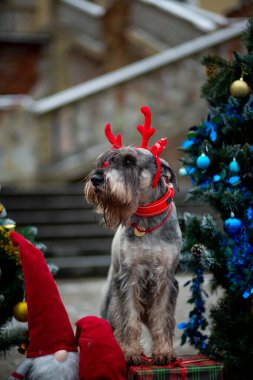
[(52, 352)]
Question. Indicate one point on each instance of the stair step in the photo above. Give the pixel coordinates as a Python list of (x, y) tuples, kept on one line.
[(42, 217), (40, 203), (81, 266), (69, 227), (74, 247), (72, 231), (44, 190)]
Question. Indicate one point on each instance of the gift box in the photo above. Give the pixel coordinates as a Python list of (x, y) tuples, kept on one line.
[(187, 367)]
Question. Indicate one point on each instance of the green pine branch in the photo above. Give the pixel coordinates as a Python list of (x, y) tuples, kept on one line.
[(213, 59), (247, 36), (216, 89), (11, 337)]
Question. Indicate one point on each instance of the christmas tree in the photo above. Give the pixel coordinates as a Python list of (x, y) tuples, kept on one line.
[(218, 157), (12, 295)]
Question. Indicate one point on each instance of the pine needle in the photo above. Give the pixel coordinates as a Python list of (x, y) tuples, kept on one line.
[(247, 36)]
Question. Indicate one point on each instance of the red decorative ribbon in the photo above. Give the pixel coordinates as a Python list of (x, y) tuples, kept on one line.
[(17, 376), (176, 364), (157, 207), (179, 363)]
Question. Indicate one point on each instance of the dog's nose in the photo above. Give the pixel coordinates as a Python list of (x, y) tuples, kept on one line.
[(97, 178)]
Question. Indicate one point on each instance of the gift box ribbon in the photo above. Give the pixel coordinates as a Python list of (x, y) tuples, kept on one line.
[(179, 363)]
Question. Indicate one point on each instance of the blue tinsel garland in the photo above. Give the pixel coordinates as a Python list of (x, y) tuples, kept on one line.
[(239, 259)]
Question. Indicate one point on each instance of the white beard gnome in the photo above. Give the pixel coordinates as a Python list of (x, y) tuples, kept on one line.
[(52, 352)]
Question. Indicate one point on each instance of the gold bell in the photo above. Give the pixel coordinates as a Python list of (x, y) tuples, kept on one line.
[(139, 231)]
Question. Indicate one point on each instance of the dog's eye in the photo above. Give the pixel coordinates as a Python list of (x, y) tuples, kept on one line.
[(129, 161)]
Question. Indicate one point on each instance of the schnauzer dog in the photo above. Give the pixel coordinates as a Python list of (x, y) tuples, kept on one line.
[(133, 189)]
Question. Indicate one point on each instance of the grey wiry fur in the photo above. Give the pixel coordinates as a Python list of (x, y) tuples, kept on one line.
[(141, 284)]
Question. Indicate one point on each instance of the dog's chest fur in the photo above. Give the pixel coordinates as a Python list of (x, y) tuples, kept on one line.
[(147, 251), (147, 261)]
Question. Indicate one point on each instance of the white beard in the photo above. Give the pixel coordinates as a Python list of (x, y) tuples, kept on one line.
[(47, 368)]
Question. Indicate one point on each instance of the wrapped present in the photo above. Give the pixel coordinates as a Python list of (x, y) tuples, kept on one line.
[(187, 367)]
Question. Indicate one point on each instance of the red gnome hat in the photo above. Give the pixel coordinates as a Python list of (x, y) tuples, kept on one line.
[(48, 323), (100, 356)]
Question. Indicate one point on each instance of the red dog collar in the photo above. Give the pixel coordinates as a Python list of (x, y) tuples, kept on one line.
[(157, 207)]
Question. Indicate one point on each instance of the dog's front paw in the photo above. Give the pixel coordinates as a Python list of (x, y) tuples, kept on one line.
[(133, 357), (163, 358)]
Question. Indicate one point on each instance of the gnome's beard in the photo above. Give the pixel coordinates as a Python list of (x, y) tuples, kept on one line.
[(48, 368)]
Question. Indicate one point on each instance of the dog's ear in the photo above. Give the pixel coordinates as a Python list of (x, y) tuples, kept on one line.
[(169, 174)]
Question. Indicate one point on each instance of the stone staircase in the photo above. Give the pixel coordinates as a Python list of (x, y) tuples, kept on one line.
[(70, 229), (75, 240)]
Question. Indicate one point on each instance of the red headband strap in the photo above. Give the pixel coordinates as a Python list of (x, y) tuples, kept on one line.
[(158, 172)]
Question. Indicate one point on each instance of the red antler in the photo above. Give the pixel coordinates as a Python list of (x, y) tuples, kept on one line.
[(145, 129), (115, 141), (158, 147)]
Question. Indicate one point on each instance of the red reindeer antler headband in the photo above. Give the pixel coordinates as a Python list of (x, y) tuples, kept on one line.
[(146, 132)]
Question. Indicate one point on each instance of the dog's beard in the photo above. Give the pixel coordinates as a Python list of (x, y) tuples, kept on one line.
[(116, 201)]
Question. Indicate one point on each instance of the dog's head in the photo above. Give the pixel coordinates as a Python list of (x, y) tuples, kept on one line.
[(125, 178)]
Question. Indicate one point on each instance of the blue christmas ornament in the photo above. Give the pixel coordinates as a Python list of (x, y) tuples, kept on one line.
[(203, 161), (232, 225), (246, 294), (183, 172), (216, 178), (235, 180), (234, 167)]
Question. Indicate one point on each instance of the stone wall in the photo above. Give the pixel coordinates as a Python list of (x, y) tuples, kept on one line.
[(18, 143), (62, 144)]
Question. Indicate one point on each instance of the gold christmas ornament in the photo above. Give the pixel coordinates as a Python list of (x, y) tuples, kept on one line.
[(20, 311), (239, 88)]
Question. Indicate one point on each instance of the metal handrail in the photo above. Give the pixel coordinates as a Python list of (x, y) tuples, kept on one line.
[(103, 82)]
